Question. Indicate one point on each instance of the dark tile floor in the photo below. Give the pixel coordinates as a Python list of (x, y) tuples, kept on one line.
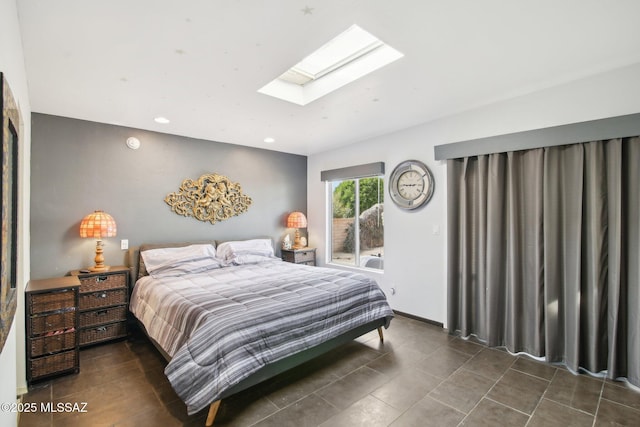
[(420, 376)]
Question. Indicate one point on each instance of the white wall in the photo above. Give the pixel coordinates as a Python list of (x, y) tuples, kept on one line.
[(415, 242), (7, 371), (12, 359)]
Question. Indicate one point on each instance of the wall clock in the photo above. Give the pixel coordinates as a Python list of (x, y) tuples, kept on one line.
[(411, 184)]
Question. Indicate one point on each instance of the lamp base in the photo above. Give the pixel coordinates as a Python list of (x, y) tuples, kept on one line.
[(99, 259), (297, 241)]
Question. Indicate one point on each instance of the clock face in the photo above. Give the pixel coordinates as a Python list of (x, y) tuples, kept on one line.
[(411, 184)]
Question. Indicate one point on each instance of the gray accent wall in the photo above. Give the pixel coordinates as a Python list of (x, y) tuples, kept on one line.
[(80, 166)]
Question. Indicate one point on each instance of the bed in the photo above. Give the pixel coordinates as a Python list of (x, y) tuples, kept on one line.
[(229, 315)]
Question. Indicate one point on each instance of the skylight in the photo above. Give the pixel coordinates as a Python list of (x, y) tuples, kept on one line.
[(342, 60)]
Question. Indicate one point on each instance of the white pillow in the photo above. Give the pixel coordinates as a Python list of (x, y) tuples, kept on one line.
[(246, 251), (181, 260)]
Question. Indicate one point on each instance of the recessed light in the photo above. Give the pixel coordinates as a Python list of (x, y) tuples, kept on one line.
[(269, 140), (162, 120)]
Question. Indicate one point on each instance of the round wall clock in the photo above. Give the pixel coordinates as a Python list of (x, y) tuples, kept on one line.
[(411, 184)]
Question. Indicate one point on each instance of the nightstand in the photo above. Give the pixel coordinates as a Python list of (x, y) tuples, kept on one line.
[(52, 327), (305, 256), (103, 300)]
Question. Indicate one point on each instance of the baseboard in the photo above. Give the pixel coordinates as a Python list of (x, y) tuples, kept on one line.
[(421, 319)]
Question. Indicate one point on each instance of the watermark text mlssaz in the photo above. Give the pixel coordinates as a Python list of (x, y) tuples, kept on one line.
[(49, 407)]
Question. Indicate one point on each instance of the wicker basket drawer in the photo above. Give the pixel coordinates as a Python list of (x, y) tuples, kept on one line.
[(53, 364), (102, 299), (53, 322), (103, 333), (306, 256), (50, 301), (289, 256), (105, 315), (53, 343), (103, 281)]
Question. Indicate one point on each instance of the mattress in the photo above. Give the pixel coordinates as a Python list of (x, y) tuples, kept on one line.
[(221, 325)]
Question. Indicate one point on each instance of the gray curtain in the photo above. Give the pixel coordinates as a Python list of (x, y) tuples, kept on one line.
[(543, 253)]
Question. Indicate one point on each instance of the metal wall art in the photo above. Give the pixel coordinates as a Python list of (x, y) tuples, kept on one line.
[(211, 198)]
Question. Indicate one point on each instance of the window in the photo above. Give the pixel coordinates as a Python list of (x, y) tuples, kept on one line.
[(342, 60), (356, 243)]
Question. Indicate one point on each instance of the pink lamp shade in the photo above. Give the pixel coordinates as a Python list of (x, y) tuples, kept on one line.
[(97, 225), (297, 220)]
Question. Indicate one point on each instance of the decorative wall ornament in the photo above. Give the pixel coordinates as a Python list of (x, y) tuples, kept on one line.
[(211, 198)]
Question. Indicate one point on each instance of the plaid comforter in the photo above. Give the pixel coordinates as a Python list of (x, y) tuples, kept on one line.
[(222, 325)]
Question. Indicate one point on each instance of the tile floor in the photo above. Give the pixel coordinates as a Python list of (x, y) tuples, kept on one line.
[(420, 376)]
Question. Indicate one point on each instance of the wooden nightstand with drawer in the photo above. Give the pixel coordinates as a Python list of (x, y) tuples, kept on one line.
[(103, 301), (52, 327), (300, 256)]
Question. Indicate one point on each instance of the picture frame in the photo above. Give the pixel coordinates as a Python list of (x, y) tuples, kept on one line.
[(10, 135)]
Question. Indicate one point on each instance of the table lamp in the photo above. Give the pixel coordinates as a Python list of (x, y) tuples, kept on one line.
[(297, 220), (98, 224)]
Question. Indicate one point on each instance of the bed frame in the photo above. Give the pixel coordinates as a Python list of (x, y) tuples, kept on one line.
[(268, 371)]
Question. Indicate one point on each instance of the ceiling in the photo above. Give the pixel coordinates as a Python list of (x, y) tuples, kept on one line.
[(200, 63)]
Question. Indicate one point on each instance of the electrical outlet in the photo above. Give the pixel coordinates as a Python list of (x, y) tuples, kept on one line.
[(124, 244)]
